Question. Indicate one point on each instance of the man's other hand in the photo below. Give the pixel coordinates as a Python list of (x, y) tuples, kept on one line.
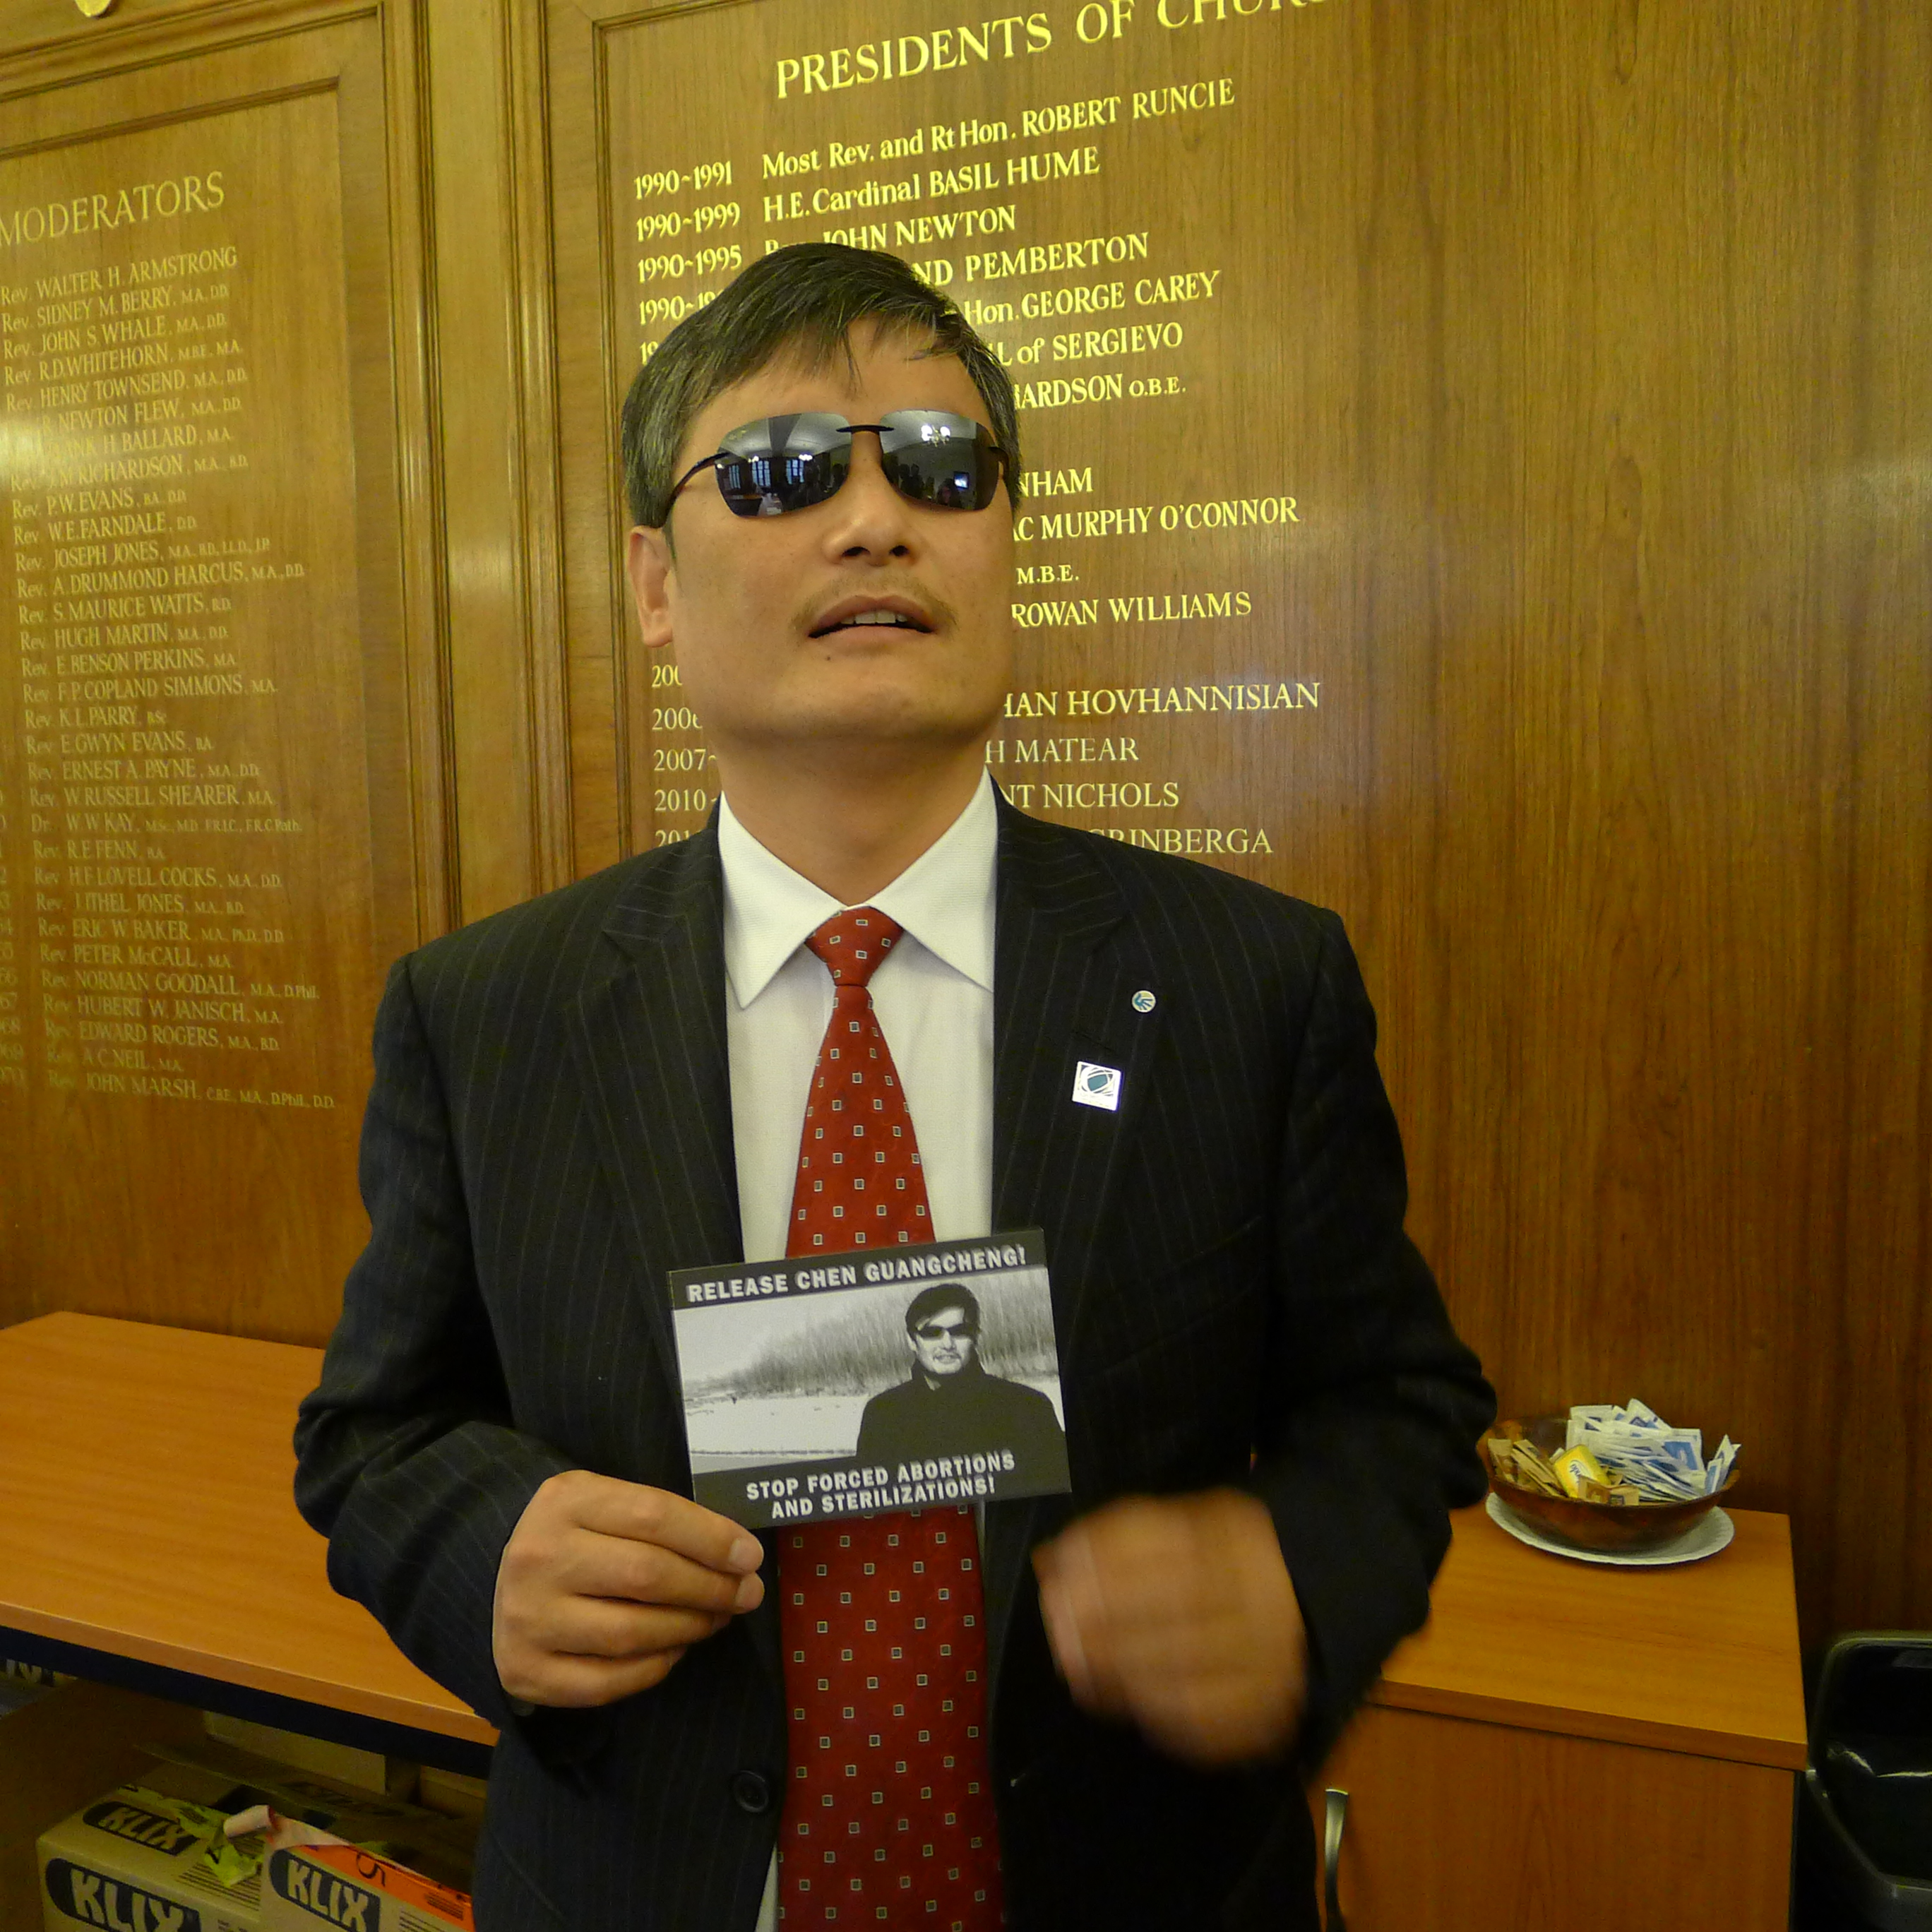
[(604, 1585), (1177, 1614)]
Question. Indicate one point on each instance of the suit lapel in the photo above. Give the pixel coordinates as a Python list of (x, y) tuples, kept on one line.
[(649, 1037), (1068, 963)]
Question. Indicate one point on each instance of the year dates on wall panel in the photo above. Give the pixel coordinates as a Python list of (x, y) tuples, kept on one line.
[(1091, 186), (205, 859)]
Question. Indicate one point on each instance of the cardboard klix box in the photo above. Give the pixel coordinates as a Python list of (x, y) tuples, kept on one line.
[(137, 1858), (153, 1856), (309, 1886)]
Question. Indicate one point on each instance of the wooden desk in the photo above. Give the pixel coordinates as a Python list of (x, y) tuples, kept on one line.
[(149, 1536), (1567, 1744), (1564, 1745)]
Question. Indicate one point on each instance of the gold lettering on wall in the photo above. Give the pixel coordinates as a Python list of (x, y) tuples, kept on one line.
[(183, 822), (1091, 185)]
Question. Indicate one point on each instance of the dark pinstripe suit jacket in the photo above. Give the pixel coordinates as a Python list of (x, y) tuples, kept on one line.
[(550, 1131)]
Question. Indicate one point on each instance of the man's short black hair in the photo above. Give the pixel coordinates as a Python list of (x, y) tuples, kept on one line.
[(805, 300), (928, 1301)]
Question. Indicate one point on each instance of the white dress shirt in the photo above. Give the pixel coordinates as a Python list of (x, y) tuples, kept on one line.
[(934, 996), (933, 993)]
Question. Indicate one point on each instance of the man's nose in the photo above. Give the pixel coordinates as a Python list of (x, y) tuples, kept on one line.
[(872, 515)]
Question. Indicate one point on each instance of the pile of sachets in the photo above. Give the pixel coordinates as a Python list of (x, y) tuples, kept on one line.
[(1615, 1453)]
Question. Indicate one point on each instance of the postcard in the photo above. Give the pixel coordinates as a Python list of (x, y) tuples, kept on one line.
[(837, 1385)]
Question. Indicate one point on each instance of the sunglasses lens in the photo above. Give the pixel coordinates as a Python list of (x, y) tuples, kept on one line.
[(779, 463), (933, 457)]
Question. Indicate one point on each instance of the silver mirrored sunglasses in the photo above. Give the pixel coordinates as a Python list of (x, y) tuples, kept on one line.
[(781, 463)]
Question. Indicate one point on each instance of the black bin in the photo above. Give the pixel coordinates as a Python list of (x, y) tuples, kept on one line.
[(1865, 1811)]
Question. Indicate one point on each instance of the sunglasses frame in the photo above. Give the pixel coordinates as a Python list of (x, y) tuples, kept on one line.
[(713, 462), (926, 1332)]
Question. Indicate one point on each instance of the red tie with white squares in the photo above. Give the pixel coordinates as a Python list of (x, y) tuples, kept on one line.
[(889, 1816)]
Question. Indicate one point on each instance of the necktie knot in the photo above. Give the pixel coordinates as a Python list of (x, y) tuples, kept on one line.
[(853, 943)]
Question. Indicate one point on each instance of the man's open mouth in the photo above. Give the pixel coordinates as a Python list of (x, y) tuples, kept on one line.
[(870, 616)]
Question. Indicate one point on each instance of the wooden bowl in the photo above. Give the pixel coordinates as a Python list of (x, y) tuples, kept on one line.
[(1611, 1526)]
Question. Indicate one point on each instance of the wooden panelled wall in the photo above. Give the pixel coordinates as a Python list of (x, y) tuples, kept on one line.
[(1598, 365)]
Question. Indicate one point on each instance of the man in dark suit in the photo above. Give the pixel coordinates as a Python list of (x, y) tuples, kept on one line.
[(1267, 1410), (949, 1406)]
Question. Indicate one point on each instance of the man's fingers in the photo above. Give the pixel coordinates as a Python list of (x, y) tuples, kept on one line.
[(1179, 1615), (583, 1650), (1181, 1688), (1068, 1642), (645, 1515), (1073, 1604), (1207, 1736), (595, 1565), (604, 1584), (1214, 1715), (590, 1626), (581, 1683)]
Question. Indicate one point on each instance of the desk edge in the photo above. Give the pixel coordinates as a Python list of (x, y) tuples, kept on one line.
[(1774, 1754), (444, 1720)]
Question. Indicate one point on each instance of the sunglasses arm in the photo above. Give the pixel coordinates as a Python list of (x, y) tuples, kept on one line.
[(703, 462)]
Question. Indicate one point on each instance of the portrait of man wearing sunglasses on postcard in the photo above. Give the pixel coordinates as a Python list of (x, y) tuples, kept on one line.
[(948, 1406), (1086, 1710)]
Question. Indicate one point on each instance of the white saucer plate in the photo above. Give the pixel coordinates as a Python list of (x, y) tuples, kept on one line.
[(1711, 1532)]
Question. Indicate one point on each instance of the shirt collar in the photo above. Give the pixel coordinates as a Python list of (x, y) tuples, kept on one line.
[(944, 899)]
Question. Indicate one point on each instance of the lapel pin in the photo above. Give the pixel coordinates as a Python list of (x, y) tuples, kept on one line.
[(1143, 1001), (1097, 1086)]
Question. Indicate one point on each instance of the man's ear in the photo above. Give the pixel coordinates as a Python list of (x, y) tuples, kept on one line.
[(649, 563)]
